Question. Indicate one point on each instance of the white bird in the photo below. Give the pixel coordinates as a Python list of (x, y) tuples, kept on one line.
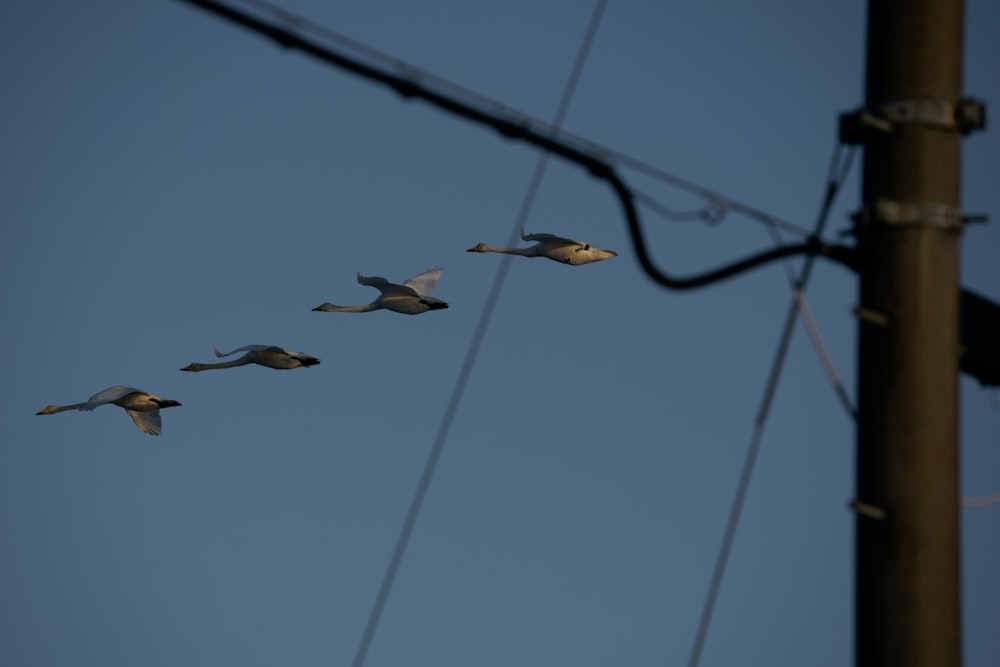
[(411, 298), (141, 406), (556, 248), (263, 355)]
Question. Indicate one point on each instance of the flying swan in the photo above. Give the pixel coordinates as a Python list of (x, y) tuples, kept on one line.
[(556, 248), (142, 407), (411, 298), (262, 355)]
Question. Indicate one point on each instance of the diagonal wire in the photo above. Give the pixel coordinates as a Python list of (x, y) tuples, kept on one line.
[(838, 171), (469, 362), (839, 168), (715, 201), (824, 356)]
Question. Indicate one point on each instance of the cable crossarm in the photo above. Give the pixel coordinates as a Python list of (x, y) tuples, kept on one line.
[(522, 130)]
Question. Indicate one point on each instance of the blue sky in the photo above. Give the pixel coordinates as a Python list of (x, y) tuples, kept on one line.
[(172, 183)]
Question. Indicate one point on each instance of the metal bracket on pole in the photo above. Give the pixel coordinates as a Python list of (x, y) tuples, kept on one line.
[(963, 116), (897, 213)]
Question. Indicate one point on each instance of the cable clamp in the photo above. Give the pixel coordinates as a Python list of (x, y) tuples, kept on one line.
[(964, 115), (891, 212)]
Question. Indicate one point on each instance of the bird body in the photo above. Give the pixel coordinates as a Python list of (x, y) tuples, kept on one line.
[(412, 297), (141, 406), (262, 355), (556, 248)]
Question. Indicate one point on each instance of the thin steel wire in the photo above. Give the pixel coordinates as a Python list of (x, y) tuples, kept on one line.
[(707, 194), (835, 179), (714, 200), (709, 213), (824, 355), (837, 174), (467, 365)]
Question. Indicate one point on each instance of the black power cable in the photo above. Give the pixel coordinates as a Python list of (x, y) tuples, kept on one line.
[(513, 129)]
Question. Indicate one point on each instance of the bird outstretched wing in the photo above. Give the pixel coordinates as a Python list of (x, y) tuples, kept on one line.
[(549, 239), (245, 348), (424, 283), (107, 396), (148, 421)]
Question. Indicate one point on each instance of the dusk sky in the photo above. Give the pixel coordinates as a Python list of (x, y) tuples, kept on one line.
[(173, 183)]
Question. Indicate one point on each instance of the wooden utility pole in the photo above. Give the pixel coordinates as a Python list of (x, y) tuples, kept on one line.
[(909, 229)]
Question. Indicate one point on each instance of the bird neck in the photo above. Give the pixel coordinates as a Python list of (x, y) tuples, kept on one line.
[(52, 409), (330, 308), (523, 252), (242, 361)]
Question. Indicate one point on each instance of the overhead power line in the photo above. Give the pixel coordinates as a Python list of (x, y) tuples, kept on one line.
[(550, 140), (980, 316), (405, 71), (834, 181), (468, 363), (840, 166)]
